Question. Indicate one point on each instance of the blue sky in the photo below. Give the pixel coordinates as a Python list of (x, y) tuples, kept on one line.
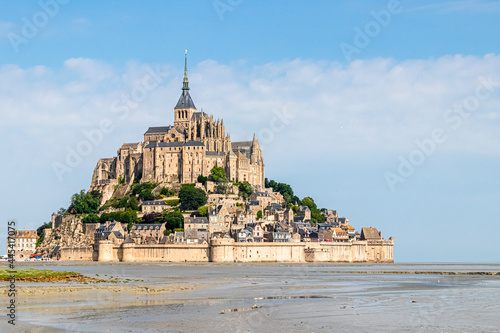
[(421, 90)]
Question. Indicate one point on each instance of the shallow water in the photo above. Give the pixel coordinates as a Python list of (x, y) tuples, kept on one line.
[(277, 298)]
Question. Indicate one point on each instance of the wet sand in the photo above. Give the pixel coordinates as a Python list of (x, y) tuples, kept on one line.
[(208, 297)]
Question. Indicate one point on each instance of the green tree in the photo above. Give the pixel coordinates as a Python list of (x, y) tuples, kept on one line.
[(218, 174), (46, 225), (202, 179), (203, 210), (39, 241), (285, 190), (133, 203), (91, 218), (128, 216), (259, 215), (85, 203), (245, 189), (144, 190), (152, 217), (39, 232), (173, 220), (309, 202), (191, 198), (316, 215)]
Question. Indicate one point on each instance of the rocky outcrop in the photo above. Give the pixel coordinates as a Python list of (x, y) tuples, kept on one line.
[(70, 233)]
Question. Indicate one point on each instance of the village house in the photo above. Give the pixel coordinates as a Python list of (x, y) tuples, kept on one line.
[(316, 236), (239, 221), (112, 231), (195, 223), (330, 216), (277, 236), (327, 234), (244, 235), (351, 233), (342, 221), (219, 220), (25, 243), (179, 237), (288, 215), (263, 198), (339, 235), (304, 212), (157, 206), (147, 233), (196, 230), (257, 232)]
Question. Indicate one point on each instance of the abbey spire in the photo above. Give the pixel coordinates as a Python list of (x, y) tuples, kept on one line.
[(185, 108), (185, 101), (185, 81)]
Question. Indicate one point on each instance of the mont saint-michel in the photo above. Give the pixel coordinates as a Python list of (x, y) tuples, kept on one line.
[(187, 193)]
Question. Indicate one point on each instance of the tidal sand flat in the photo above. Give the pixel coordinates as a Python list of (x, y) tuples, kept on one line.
[(208, 297)]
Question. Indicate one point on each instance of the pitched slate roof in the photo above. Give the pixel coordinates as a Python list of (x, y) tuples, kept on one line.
[(185, 101), (241, 144), (198, 114), (147, 226), (213, 153), (104, 228), (118, 234), (161, 129), (153, 144), (154, 203), (200, 220), (298, 218)]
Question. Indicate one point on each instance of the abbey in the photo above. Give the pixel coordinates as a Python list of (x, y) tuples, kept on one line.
[(179, 153)]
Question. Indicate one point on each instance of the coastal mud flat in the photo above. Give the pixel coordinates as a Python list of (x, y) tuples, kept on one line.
[(267, 298)]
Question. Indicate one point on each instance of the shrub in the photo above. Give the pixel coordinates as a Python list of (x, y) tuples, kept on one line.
[(172, 202), (91, 218), (203, 210), (166, 192), (202, 179)]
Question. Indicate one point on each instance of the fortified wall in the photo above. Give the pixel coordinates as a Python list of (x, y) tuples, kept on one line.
[(226, 250)]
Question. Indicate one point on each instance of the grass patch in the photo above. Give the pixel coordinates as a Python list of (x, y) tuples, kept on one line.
[(43, 275), (172, 202)]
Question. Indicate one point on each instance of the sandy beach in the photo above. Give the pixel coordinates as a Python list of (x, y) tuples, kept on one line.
[(206, 297)]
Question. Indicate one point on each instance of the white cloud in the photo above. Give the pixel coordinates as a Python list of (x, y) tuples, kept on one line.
[(89, 69), (6, 27), (377, 105)]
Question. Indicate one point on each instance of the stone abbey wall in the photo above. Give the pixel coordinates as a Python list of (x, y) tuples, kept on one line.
[(76, 253), (226, 250)]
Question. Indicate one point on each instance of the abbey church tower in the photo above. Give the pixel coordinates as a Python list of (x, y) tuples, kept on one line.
[(182, 152), (184, 110)]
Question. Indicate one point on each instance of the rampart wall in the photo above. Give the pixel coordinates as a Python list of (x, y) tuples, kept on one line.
[(226, 250)]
